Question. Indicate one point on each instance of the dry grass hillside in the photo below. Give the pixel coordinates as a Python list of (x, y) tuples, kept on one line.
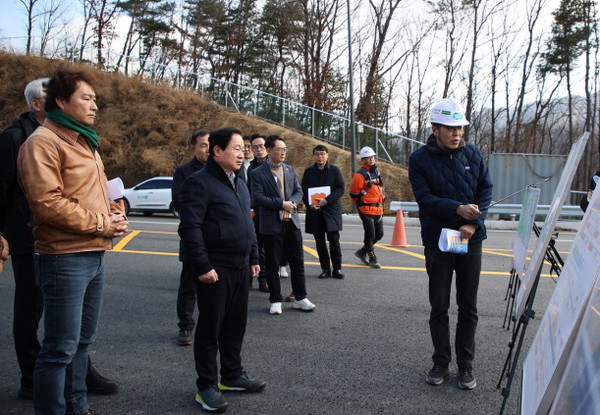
[(144, 128)]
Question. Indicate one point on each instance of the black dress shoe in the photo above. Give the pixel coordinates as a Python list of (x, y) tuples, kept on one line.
[(185, 337), (337, 274), (325, 274), (263, 286), (98, 384), (26, 393)]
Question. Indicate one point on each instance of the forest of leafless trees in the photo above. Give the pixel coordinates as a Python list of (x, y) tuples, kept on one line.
[(527, 71)]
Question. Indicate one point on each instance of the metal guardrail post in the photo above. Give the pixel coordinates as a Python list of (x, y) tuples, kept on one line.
[(255, 102)]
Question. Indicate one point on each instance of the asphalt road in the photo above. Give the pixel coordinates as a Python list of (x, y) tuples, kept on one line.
[(364, 350)]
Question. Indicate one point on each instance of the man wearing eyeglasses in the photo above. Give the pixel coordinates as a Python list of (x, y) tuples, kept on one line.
[(259, 151), (451, 184), (276, 191)]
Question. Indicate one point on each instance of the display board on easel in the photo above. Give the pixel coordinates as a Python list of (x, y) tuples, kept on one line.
[(552, 345), (526, 279), (524, 229), (580, 383)]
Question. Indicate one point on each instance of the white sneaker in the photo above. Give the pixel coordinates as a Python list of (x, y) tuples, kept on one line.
[(304, 305), (283, 272), (275, 309)]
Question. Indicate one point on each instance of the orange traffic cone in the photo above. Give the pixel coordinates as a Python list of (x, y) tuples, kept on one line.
[(399, 238)]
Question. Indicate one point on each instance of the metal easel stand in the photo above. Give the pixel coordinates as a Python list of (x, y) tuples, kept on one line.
[(519, 332)]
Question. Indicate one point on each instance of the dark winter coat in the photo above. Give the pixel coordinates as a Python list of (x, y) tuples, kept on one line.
[(330, 176), (216, 227), (14, 210), (181, 173), (442, 180)]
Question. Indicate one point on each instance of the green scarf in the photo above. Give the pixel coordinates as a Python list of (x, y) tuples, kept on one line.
[(63, 119)]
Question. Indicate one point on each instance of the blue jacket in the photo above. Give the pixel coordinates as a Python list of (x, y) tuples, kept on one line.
[(266, 197), (216, 227), (442, 180)]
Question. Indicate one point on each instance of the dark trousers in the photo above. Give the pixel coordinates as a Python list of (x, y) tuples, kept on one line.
[(373, 227), (440, 267), (186, 297), (223, 311), (334, 245), (289, 244), (28, 307), (262, 275), (334, 249)]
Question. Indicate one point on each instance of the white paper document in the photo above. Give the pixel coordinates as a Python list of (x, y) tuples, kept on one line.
[(451, 241)]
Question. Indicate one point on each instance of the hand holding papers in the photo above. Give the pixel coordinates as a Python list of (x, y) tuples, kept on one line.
[(452, 241), (316, 194)]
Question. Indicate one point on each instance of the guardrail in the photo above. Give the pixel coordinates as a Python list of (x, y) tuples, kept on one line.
[(509, 209)]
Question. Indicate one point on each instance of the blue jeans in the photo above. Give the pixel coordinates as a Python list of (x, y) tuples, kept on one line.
[(72, 287)]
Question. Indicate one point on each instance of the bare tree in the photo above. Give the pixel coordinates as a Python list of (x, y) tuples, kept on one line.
[(32, 15), (51, 15), (383, 13), (501, 37), (449, 16), (102, 13), (87, 19), (318, 52), (481, 11), (529, 59)]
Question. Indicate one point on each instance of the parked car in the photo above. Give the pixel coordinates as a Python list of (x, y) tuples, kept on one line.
[(150, 196)]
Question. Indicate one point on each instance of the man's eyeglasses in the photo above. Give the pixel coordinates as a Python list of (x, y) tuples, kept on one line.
[(258, 146), (281, 149)]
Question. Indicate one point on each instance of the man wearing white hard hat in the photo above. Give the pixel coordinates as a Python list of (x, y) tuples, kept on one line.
[(453, 188), (368, 194)]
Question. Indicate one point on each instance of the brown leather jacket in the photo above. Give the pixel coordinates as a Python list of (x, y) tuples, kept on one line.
[(64, 182)]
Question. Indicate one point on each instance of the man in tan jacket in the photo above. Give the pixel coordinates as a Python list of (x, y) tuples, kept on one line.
[(74, 222)]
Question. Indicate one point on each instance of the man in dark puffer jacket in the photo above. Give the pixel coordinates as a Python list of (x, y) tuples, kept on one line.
[(453, 188)]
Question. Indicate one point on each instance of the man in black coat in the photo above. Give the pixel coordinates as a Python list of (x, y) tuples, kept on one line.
[(186, 295), (14, 218), (324, 214), (219, 242)]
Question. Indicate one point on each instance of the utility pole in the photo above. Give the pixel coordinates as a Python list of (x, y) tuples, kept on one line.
[(351, 92)]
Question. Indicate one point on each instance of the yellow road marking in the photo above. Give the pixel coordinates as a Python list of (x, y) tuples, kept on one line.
[(125, 240), (311, 251), (390, 248), (129, 237)]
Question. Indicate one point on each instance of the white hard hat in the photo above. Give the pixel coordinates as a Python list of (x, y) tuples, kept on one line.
[(366, 152), (448, 112)]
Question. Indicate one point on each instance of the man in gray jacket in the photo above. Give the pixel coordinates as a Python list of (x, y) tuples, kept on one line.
[(276, 191)]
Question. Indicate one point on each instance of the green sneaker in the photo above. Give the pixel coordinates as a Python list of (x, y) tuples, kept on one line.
[(242, 384), (211, 399)]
